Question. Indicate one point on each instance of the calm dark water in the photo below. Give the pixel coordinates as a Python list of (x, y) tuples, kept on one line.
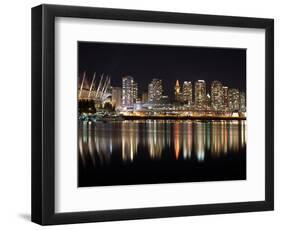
[(145, 152)]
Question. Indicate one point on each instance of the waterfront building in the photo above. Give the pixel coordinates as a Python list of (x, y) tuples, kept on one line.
[(233, 100), (116, 99), (155, 91), (187, 92), (217, 98), (225, 96), (138, 105), (177, 91), (200, 94), (242, 102), (208, 101), (135, 92), (129, 91), (150, 92)]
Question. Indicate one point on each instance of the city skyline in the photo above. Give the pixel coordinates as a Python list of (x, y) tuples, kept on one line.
[(192, 95), (146, 62), (160, 114)]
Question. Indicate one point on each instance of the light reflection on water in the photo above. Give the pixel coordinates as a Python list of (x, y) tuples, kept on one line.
[(185, 140)]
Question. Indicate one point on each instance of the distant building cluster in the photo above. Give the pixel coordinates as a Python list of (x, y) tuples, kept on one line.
[(221, 98), (188, 96)]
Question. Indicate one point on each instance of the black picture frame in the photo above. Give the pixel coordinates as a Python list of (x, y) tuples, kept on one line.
[(43, 114)]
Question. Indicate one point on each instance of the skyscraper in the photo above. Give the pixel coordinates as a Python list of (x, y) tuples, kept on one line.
[(217, 95), (129, 91), (116, 97), (155, 91), (187, 92), (200, 94), (233, 100), (243, 102), (225, 96), (135, 92), (177, 91), (150, 92)]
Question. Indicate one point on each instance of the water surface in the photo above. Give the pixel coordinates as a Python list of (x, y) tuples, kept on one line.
[(160, 151)]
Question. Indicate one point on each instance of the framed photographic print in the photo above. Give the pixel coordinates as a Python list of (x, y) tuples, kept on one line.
[(141, 114)]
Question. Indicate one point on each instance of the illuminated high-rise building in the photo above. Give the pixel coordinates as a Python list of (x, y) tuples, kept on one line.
[(187, 92), (208, 101), (233, 100), (225, 96), (135, 91), (200, 94), (242, 102), (150, 92), (129, 91), (217, 95), (177, 91), (155, 91), (116, 97)]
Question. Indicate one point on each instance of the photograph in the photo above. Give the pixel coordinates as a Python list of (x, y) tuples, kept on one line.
[(142, 114), (157, 113)]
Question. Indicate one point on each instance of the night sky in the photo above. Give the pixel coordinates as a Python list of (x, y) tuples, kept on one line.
[(169, 63)]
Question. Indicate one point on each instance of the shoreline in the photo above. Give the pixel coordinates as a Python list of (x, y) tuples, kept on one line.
[(181, 118), (165, 117)]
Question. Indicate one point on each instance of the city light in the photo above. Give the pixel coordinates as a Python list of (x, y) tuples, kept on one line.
[(190, 100), (152, 114)]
